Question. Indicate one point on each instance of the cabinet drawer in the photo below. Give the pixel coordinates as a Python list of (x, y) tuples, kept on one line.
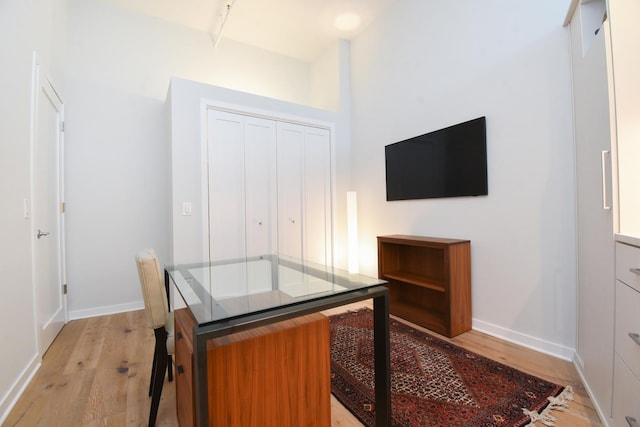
[(628, 322), (626, 389), (184, 393), (184, 324), (184, 367), (628, 258)]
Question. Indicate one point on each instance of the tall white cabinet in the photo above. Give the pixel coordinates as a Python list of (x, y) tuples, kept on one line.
[(606, 80), (594, 193)]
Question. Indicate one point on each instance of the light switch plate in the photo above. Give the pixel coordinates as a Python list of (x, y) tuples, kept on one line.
[(186, 208)]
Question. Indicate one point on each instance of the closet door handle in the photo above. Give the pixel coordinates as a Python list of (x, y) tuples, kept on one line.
[(635, 337), (605, 206), (631, 421)]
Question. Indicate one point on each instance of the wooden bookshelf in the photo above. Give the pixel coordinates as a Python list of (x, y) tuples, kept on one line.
[(429, 281)]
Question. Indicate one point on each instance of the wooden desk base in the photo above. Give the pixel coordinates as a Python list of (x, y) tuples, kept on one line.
[(275, 375)]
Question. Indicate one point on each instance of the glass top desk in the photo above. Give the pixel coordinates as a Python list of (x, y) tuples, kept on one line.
[(230, 296)]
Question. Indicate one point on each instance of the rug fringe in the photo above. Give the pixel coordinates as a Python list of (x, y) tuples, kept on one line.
[(559, 403)]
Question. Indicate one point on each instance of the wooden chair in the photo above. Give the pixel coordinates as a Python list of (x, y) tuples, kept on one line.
[(161, 321)]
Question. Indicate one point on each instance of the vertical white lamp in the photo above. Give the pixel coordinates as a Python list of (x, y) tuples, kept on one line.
[(352, 231)]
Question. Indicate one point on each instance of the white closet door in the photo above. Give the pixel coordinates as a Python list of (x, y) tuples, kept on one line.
[(226, 183), (260, 198), (261, 186), (241, 197), (290, 154), (317, 196)]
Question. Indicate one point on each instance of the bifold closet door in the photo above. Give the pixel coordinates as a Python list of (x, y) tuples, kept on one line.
[(241, 185), (290, 154), (317, 243), (225, 186), (268, 188), (304, 192)]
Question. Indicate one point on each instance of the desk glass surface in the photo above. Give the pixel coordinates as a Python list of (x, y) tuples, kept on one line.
[(221, 290)]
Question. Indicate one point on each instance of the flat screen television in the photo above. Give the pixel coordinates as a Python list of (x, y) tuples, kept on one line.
[(450, 162)]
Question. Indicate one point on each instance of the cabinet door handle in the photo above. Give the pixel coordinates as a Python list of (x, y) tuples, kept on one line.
[(605, 204), (635, 270), (631, 421), (180, 369), (179, 336), (635, 337)]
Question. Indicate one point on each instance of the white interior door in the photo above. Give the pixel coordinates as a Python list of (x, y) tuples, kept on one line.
[(47, 223)]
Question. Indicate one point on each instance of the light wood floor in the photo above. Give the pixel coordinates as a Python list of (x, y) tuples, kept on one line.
[(96, 373)]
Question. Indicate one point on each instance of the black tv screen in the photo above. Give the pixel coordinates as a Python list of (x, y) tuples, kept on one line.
[(449, 162)]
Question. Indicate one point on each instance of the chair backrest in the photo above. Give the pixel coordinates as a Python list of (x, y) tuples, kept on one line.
[(153, 289)]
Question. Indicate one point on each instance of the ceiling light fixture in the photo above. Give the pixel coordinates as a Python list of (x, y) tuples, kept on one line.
[(225, 15), (347, 21)]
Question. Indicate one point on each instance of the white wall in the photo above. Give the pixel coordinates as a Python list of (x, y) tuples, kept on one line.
[(119, 68), (25, 26), (427, 65)]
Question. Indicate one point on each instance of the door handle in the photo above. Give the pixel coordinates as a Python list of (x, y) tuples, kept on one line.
[(605, 201), (42, 233)]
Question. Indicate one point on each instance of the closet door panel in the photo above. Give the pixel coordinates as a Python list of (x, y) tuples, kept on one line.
[(225, 154), (261, 186), (290, 155), (317, 196)]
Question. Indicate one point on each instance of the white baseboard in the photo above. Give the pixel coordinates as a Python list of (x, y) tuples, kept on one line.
[(605, 419), (10, 399), (546, 347), (105, 310)]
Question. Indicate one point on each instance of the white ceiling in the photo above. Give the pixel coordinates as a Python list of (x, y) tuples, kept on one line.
[(301, 29)]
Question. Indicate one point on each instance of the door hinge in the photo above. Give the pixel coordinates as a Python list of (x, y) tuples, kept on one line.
[(62, 207), (61, 126), (64, 289)]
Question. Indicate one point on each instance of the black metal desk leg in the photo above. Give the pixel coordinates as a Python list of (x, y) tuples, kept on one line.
[(167, 285), (382, 360), (201, 380)]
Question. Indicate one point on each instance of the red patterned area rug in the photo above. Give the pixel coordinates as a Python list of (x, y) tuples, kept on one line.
[(434, 383)]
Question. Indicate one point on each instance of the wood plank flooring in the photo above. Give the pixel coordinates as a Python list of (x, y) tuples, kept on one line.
[(96, 373)]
